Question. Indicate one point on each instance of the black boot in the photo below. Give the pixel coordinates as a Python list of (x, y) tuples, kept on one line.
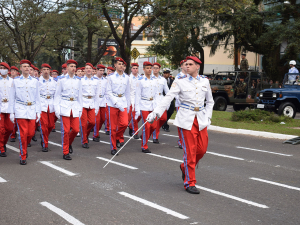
[(85, 145), (130, 132), (67, 157), (118, 144), (3, 154), (96, 139), (34, 139), (192, 190), (23, 162), (155, 141), (70, 149)]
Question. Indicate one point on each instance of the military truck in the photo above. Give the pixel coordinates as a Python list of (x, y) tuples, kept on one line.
[(284, 101), (224, 89)]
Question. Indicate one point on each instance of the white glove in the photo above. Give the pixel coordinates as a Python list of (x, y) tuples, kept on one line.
[(96, 112), (38, 115), (151, 117), (80, 113), (12, 117), (57, 114), (137, 114), (118, 105)]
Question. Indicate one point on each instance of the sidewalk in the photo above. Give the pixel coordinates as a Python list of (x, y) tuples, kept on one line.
[(248, 132)]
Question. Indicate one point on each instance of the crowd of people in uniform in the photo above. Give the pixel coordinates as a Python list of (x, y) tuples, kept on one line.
[(84, 99)]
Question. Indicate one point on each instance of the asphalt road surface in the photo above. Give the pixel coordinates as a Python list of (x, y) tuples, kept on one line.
[(242, 180)]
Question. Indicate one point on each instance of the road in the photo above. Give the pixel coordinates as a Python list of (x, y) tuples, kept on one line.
[(243, 180)]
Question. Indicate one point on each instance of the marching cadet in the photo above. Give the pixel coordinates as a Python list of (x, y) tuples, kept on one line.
[(79, 72), (145, 101), (6, 126), (47, 86), (90, 103), (14, 72), (133, 78), (64, 69), (162, 86), (110, 70), (177, 101), (36, 72), (24, 105), (101, 116), (118, 102), (68, 107), (54, 75), (192, 118)]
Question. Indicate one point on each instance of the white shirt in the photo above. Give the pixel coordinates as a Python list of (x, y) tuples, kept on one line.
[(193, 92), (47, 91), (132, 80), (146, 95), (293, 70), (68, 96), (24, 98), (162, 86), (5, 85), (118, 85), (90, 93), (102, 91)]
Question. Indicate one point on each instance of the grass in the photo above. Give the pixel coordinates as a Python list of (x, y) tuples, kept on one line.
[(223, 119)]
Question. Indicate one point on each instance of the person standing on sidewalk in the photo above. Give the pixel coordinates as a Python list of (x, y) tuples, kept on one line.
[(24, 105), (193, 118)]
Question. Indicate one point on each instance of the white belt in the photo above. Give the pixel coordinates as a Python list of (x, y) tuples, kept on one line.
[(46, 96), (118, 95), (88, 97), (147, 99), (190, 107)]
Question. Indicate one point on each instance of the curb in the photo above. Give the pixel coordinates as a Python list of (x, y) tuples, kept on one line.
[(248, 132)]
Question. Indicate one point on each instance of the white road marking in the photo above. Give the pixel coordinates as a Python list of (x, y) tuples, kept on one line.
[(117, 163), (2, 180), (62, 213), (258, 150), (53, 143), (233, 197), (170, 135), (13, 148), (275, 183), (226, 156), (58, 168), (164, 157), (155, 206)]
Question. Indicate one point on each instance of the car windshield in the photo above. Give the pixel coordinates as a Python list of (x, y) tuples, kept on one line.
[(292, 79)]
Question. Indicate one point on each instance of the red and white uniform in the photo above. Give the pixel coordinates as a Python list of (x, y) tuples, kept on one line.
[(118, 102), (131, 115), (145, 101), (192, 118), (47, 121), (90, 103), (25, 104), (68, 104), (6, 126), (162, 86), (100, 117)]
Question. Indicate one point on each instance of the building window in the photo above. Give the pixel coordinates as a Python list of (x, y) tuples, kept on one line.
[(149, 38), (139, 38)]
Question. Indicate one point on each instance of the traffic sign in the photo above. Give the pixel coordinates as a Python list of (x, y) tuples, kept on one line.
[(135, 53)]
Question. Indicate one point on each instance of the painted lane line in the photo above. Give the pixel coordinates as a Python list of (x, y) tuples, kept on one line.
[(62, 213), (117, 163), (13, 148), (170, 135), (2, 180), (232, 197), (226, 156), (275, 183), (53, 143), (155, 206), (258, 150), (58, 168), (164, 157)]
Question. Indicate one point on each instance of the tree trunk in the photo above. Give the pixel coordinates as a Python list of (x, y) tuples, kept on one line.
[(88, 57), (125, 51), (236, 54)]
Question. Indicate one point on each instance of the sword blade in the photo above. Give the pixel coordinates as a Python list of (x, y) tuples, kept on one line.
[(124, 144)]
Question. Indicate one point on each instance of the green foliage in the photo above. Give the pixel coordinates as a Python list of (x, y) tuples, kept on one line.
[(259, 116)]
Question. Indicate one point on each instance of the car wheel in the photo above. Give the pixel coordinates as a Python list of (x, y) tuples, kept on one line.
[(220, 103), (287, 109)]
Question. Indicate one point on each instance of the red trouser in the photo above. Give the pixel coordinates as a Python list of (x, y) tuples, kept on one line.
[(46, 126), (69, 130), (13, 134), (117, 118), (134, 124), (194, 144), (147, 129), (55, 119), (26, 130), (179, 142), (159, 124), (100, 119), (6, 128), (106, 119), (87, 122)]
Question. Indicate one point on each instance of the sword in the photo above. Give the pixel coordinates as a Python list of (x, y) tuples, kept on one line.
[(124, 144)]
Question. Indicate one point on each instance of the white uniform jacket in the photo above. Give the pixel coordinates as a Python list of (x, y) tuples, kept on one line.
[(193, 94), (132, 80), (24, 98), (177, 102), (68, 96), (47, 91), (118, 90), (5, 85), (146, 95), (102, 91), (90, 92), (162, 86)]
